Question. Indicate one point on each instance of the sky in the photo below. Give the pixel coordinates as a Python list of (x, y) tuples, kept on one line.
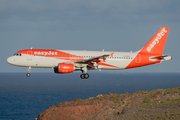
[(112, 25)]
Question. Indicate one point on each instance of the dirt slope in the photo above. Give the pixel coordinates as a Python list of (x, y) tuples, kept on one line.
[(141, 105)]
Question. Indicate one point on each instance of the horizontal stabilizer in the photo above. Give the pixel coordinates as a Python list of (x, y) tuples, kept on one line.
[(162, 58)]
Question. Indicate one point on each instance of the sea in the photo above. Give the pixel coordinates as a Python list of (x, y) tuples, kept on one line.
[(24, 98)]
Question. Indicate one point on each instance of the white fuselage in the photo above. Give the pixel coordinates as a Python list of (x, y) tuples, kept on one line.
[(119, 60)]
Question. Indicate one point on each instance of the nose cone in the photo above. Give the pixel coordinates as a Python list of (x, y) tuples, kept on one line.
[(10, 60)]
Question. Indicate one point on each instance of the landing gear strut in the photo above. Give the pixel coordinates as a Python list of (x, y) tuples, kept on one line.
[(29, 70)]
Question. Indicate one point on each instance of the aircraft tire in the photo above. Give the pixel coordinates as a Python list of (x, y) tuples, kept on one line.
[(28, 74), (86, 76), (82, 76)]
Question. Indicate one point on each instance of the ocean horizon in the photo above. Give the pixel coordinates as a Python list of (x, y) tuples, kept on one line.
[(26, 97)]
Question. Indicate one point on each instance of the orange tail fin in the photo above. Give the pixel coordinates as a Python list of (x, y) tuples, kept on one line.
[(157, 42)]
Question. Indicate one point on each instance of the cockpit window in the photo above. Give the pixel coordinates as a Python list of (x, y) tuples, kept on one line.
[(17, 54)]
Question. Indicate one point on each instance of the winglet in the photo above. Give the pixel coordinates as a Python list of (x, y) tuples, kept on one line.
[(111, 54)]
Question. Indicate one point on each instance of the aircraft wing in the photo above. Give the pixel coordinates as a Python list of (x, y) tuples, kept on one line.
[(94, 59)]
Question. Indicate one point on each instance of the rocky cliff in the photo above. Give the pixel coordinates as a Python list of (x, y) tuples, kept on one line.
[(155, 104)]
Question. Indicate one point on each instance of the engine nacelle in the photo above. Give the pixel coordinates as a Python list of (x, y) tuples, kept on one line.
[(64, 68)]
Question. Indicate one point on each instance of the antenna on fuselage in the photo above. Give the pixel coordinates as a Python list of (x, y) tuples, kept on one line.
[(103, 50), (31, 48)]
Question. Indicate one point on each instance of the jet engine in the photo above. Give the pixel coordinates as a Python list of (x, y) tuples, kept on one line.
[(64, 68)]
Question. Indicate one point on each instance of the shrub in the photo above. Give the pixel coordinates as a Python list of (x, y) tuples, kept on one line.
[(147, 100), (156, 101), (176, 99), (169, 99)]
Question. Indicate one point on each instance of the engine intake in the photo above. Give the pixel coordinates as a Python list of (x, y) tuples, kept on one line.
[(64, 68)]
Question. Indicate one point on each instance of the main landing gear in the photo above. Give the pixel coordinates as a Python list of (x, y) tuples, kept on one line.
[(29, 70), (84, 76)]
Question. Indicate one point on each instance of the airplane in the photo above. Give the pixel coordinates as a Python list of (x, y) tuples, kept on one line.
[(68, 61)]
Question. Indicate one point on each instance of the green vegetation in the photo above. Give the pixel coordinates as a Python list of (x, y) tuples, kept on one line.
[(169, 99), (100, 97), (176, 99), (147, 100)]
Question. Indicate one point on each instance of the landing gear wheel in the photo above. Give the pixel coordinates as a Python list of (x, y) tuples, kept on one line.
[(82, 76), (28, 74), (86, 76)]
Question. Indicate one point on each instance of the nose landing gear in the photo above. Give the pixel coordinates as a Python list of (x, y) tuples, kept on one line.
[(29, 70)]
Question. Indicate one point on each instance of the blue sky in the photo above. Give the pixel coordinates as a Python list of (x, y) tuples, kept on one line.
[(113, 25)]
